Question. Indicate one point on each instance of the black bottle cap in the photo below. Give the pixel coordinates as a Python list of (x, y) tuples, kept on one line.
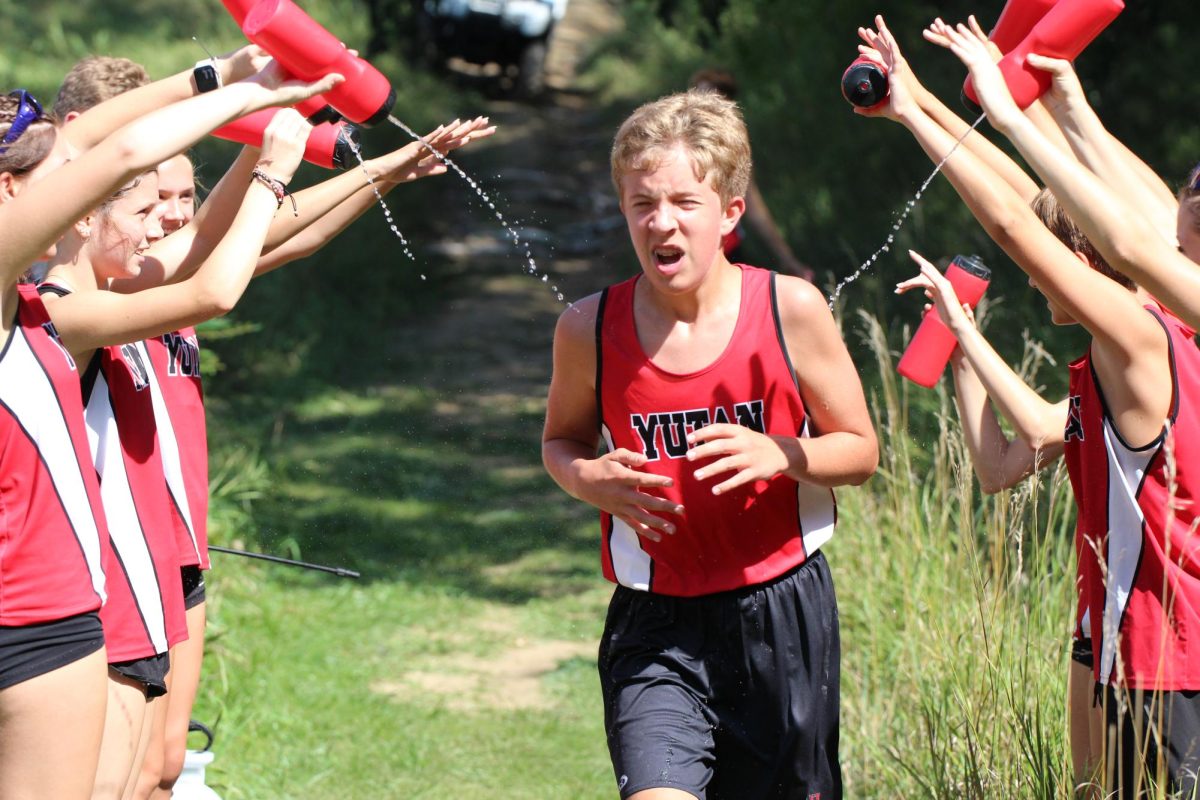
[(343, 152), (974, 265), (864, 84), (326, 114)]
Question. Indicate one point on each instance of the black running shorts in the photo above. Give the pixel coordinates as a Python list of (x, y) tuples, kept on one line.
[(730, 696), (1165, 727), (28, 651)]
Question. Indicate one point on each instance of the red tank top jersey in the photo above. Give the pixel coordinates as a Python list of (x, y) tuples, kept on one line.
[(53, 537), (743, 537), (1137, 536), (145, 614), (182, 435)]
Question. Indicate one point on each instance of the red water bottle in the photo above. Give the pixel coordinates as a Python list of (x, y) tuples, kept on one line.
[(865, 83), (932, 345), (309, 52), (329, 144), (315, 109), (1016, 21), (1064, 32)]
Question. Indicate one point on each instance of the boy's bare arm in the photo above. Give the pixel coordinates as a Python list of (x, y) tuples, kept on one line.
[(612, 482), (841, 449)]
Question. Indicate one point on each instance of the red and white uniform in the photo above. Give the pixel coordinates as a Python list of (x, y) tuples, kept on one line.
[(1137, 536), (182, 434), (144, 615), (53, 539), (743, 537)]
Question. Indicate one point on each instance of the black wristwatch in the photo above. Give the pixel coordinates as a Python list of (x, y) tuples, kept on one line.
[(206, 75)]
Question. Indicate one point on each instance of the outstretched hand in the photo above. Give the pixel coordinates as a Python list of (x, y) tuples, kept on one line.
[(971, 46), (904, 88), (957, 315), (414, 160), (936, 33), (614, 483)]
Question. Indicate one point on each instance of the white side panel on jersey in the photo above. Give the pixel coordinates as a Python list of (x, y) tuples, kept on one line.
[(631, 564), (168, 446), (36, 407), (817, 509), (1125, 521), (129, 541)]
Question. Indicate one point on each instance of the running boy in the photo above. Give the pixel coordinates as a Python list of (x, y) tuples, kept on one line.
[(728, 406)]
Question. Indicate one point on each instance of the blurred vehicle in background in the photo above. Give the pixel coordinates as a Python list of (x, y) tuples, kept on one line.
[(513, 34)]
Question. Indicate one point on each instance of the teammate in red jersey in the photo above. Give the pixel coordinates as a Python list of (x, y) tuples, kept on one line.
[(1130, 434), (1131, 394), (146, 627), (43, 191), (728, 406), (104, 246)]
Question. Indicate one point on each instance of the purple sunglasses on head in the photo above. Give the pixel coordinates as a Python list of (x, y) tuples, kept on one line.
[(29, 111)]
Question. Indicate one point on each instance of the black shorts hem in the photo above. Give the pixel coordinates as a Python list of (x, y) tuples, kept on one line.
[(632, 789), (30, 651), (149, 672)]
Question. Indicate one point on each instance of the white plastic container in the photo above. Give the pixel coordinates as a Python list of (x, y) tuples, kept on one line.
[(191, 785)]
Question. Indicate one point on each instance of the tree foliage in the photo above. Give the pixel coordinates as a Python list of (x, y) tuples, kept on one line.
[(837, 183)]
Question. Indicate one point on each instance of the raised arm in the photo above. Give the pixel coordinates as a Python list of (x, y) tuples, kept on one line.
[(90, 127), (982, 378), (1110, 313), (36, 218), (323, 211), (902, 73), (1109, 160), (1129, 346), (613, 481), (329, 207), (1129, 243)]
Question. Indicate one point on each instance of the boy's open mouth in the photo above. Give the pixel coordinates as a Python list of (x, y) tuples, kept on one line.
[(667, 256)]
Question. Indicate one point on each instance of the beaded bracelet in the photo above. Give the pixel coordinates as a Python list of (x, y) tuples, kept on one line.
[(277, 187)]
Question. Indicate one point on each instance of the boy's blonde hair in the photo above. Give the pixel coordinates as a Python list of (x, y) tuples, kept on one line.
[(1054, 217), (709, 126)]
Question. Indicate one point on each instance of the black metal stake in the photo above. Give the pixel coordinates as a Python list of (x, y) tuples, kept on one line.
[(341, 572)]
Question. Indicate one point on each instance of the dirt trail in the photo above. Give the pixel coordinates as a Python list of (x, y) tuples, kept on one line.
[(486, 353), (551, 179)]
